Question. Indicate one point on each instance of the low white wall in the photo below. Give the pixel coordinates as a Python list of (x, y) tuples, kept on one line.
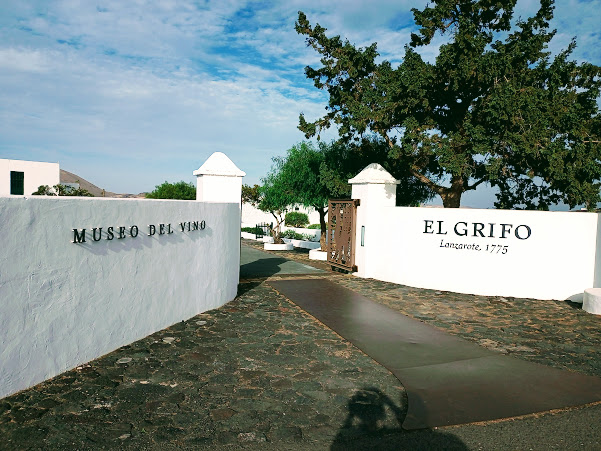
[(36, 173), (302, 244), (529, 254), (64, 303)]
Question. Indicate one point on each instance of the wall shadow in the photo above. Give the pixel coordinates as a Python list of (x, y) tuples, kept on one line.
[(374, 422), (244, 287)]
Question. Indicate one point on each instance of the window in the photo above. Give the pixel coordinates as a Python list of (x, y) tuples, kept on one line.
[(17, 182)]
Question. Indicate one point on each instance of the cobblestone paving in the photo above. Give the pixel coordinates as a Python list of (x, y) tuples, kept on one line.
[(259, 373), (555, 333), (258, 370)]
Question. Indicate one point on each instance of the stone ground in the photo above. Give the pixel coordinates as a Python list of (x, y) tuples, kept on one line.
[(260, 373)]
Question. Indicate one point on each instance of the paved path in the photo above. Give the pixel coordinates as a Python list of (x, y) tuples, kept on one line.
[(448, 380), (255, 263), (259, 373)]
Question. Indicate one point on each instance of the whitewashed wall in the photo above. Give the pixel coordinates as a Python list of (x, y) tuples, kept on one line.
[(65, 303), (35, 174), (529, 254)]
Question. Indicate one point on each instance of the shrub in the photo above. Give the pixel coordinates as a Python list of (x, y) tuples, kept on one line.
[(296, 219), (61, 190), (292, 235), (307, 237), (180, 190), (316, 226)]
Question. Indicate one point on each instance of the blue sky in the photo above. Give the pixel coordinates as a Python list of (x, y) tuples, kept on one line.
[(128, 94)]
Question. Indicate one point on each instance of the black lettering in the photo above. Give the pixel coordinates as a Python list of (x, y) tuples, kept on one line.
[(478, 226), (492, 230), (161, 229), (202, 225), (441, 241), (99, 233), (517, 235), (79, 237), (188, 226), (464, 232), (109, 233), (182, 226), (169, 229), (151, 230), (440, 228), (195, 225), (131, 231), (505, 229), (428, 225), (121, 233)]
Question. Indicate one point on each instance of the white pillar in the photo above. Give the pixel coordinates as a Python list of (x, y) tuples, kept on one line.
[(375, 188), (219, 180)]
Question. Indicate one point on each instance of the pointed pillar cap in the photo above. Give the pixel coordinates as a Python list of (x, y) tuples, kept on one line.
[(374, 173), (219, 164)]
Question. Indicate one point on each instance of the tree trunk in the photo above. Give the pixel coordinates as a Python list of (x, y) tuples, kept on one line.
[(277, 230), (323, 225), (451, 197)]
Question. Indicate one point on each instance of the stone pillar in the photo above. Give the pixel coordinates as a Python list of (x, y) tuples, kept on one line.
[(219, 180), (375, 188)]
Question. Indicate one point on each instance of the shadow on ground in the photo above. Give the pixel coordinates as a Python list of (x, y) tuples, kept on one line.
[(374, 422), (265, 267)]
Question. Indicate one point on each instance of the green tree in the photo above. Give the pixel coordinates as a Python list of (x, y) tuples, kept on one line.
[(311, 176), (296, 219), (180, 190), (299, 171), (275, 198), (251, 194), (494, 108), (344, 160), (61, 190)]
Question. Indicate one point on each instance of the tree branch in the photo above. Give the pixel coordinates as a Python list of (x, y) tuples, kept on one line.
[(470, 187)]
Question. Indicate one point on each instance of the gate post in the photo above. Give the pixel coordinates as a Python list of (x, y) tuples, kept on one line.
[(375, 188), (219, 180)]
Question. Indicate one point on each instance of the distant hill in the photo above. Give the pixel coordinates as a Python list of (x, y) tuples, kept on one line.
[(69, 177)]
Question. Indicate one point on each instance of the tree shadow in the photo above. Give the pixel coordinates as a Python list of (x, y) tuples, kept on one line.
[(265, 267), (374, 422)]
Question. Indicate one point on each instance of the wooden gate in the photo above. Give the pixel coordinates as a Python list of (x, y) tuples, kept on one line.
[(342, 216)]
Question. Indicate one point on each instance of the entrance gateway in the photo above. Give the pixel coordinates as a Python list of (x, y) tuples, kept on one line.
[(342, 217)]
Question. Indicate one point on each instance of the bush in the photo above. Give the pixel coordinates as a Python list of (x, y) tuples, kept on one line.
[(308, 237), (292, 235), (179, 190), (296, 219), (61, 190), (315, 226)]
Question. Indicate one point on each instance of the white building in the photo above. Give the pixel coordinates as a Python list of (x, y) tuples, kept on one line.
[(251, 216), (21, 178)]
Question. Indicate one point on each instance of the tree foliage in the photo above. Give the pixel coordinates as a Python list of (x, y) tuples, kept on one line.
[(310, 175), (296, 219), (251, 194), (275, 198), (61, 190), (494, 108), (180, 190)]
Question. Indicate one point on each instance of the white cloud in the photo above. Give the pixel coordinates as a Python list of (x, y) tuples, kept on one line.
[(134, 92), (24, 60)]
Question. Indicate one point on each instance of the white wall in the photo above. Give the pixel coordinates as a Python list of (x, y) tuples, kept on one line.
[(553, 256), (65, 303), (35, 174)]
